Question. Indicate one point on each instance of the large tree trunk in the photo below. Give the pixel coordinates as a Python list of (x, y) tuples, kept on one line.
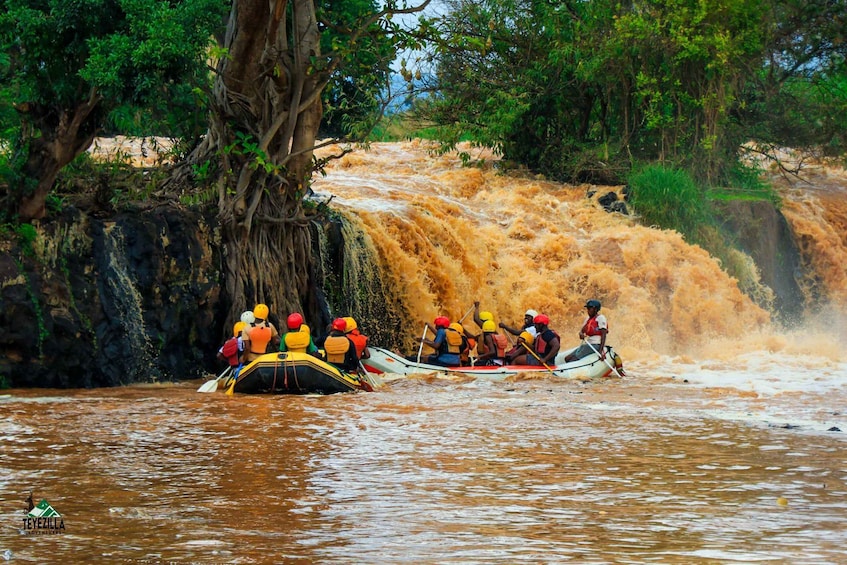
[(267, 106), (60, 140)]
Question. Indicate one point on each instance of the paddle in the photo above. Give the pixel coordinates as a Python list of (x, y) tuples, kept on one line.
[(604, 359), (531, 352), (462, 319), (423, 337), (374, 381), (212, 386)]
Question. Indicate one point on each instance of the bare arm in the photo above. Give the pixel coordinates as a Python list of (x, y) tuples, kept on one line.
[(512, 331)]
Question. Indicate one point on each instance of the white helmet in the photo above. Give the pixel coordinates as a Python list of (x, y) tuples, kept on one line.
[(531, 313), (248, 317)]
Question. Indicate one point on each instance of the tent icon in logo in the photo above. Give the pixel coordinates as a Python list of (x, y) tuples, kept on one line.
[(43, 510)]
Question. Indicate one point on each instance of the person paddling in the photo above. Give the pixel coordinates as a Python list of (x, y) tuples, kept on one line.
[(447, 344), (528, 324), (358, 338), (260, 334), (545, 347), (519, 350), (339, 349), (495, 345), (232, 348), (593, 331), (298, 338)]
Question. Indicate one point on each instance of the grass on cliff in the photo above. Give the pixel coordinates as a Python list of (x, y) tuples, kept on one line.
[(669, 198)]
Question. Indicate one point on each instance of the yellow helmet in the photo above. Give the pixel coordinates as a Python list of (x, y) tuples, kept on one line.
[(351, 324), (527, 337), (236, 329), (458, 327), (489, 326), (305, 329), (261, 311), (486, 316)]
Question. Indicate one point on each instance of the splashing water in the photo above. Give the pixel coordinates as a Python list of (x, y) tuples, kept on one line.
[(447, 235)]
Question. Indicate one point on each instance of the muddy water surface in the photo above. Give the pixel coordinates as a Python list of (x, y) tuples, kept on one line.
[(424, 471)]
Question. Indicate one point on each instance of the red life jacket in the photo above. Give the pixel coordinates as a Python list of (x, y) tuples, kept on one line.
[(230, 351), (541, 343), (359, 340), (591, 327)]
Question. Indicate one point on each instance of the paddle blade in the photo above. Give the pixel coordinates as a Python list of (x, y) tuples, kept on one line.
[(209, 386)]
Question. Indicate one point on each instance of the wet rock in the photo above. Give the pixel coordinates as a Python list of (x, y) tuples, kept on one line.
[(834, 429), (99, 302)]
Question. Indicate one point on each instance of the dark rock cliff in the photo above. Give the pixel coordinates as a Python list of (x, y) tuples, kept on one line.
[(760, 230), (139, 297), (90, 302)]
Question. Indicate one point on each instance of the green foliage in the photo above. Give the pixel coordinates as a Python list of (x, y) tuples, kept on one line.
[(568, 89), (26, 238), (245, 145), (355, 42), (668, 198), (746, 183), (402, 127), (64, 58)]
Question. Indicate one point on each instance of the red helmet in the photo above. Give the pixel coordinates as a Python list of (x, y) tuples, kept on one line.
[(339, 324), (541, 319), (442, 322), (295, 320)]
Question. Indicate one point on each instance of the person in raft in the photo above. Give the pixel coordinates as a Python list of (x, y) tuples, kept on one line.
[(232, 348), (358, 338), (339, 349), (528, 325), (493, 344), (260, 334), (519, 350), (545, 347), (298, 338), (447, 343), (594, 331)]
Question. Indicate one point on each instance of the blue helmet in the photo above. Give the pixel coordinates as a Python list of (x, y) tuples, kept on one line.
[(593, 304)]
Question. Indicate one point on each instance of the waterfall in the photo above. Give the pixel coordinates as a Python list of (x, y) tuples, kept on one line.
[(125, 347)]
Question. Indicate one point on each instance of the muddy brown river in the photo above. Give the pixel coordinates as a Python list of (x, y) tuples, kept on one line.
[(429, 470)]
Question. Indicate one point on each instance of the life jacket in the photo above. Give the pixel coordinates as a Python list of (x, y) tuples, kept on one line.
[(592, 328), (502, 343), (259, 336), (467, 346), (359, 340), (230, 351), (541, 343), (336, 348), (297, 341), (455, 342)]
